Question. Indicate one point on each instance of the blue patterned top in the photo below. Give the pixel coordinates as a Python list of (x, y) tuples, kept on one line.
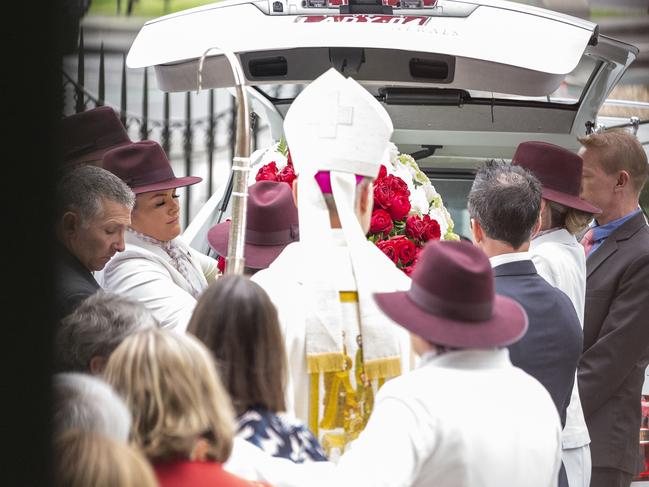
[(280, 436)]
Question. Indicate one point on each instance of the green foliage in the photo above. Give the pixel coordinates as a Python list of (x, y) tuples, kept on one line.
[(282, 147), (144, 8)]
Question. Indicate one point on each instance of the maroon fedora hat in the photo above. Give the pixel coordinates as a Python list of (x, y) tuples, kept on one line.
[(558, 170), (144, 167), (271, 224), (87, 136), (452, 302)]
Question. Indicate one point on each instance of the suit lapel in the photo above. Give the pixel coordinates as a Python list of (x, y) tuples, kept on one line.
[(610, 246), (595, 259)]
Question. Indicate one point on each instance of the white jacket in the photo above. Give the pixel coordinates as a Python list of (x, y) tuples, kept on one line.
[(463, 419), (145, 272), (561, 261), (282, 282)]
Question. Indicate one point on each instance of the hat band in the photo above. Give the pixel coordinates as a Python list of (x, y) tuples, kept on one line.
[(150, 177), (454, 310), (279, 237)]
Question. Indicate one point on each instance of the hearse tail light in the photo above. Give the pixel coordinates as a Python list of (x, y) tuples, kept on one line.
[(644, 440)]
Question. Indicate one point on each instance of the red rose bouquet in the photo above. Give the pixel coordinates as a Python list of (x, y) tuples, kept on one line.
[(396, 230), (408, 212)]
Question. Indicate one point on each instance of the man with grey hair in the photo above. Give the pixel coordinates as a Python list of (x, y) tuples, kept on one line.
[(504, 205), (93, 211), (88, 335), (87, 403)]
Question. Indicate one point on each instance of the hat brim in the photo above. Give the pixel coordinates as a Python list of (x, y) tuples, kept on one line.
[(168, 184), (507, 325), (256, 256), (570, 201), (93, 156)]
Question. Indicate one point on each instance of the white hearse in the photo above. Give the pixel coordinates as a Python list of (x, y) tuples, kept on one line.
[(463, 81)]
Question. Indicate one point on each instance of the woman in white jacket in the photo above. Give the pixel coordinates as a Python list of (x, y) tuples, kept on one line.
[(157, 267), (560, 259)]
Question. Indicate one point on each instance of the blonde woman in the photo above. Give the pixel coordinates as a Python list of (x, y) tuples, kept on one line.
[(85, 458), (182, 417)]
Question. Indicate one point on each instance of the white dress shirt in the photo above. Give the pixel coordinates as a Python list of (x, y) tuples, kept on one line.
[(463, 419)]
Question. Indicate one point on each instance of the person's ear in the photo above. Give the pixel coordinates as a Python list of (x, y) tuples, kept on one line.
[(539, 221), (97, 364), (476, 231), (294, 189), (71, 222), (367, 198), (622, 181)]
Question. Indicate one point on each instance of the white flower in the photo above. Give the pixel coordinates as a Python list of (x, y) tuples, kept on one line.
[(431, 192), (440, 215), (261, 157), (419, 201)]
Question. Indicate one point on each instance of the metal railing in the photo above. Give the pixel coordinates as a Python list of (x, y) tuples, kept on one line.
[(84, 99)]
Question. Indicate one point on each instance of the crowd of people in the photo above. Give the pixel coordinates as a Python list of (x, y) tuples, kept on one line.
[(516, 357)]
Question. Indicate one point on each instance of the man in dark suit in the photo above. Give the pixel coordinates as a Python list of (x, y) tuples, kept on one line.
[(504, 205), (616, 319), (93, 212)]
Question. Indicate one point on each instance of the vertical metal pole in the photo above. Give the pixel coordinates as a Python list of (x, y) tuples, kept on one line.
[(166, 136), (101, 91), (233, 127), (144, 128), (119, 6), (188, 150), (210, 141), (122, 111), (80, 105)]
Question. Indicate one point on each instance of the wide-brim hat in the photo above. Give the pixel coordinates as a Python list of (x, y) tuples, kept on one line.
[(144, 167), (452, 302), (271, 224), (87, 136), (559, 171)]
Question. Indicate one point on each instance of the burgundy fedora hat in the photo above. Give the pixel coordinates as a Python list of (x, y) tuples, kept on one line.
[(452, 302), (144, 167), (87, 136), (271, 224), (558, 170)]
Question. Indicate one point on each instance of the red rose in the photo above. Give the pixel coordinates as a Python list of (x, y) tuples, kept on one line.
[(415, 227), (381, 222), (220, 263), (408, 270), (267, 172), (382, 172), (399, 207), (397, 185), (388, 248), (405, 249), (287, 175), (433, 230), (383, 194), (288, 157)]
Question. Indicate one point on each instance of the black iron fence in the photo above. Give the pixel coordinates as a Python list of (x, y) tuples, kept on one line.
[(223, 121)]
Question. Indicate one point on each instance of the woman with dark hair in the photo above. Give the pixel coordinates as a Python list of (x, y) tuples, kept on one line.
[(236, 320)]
